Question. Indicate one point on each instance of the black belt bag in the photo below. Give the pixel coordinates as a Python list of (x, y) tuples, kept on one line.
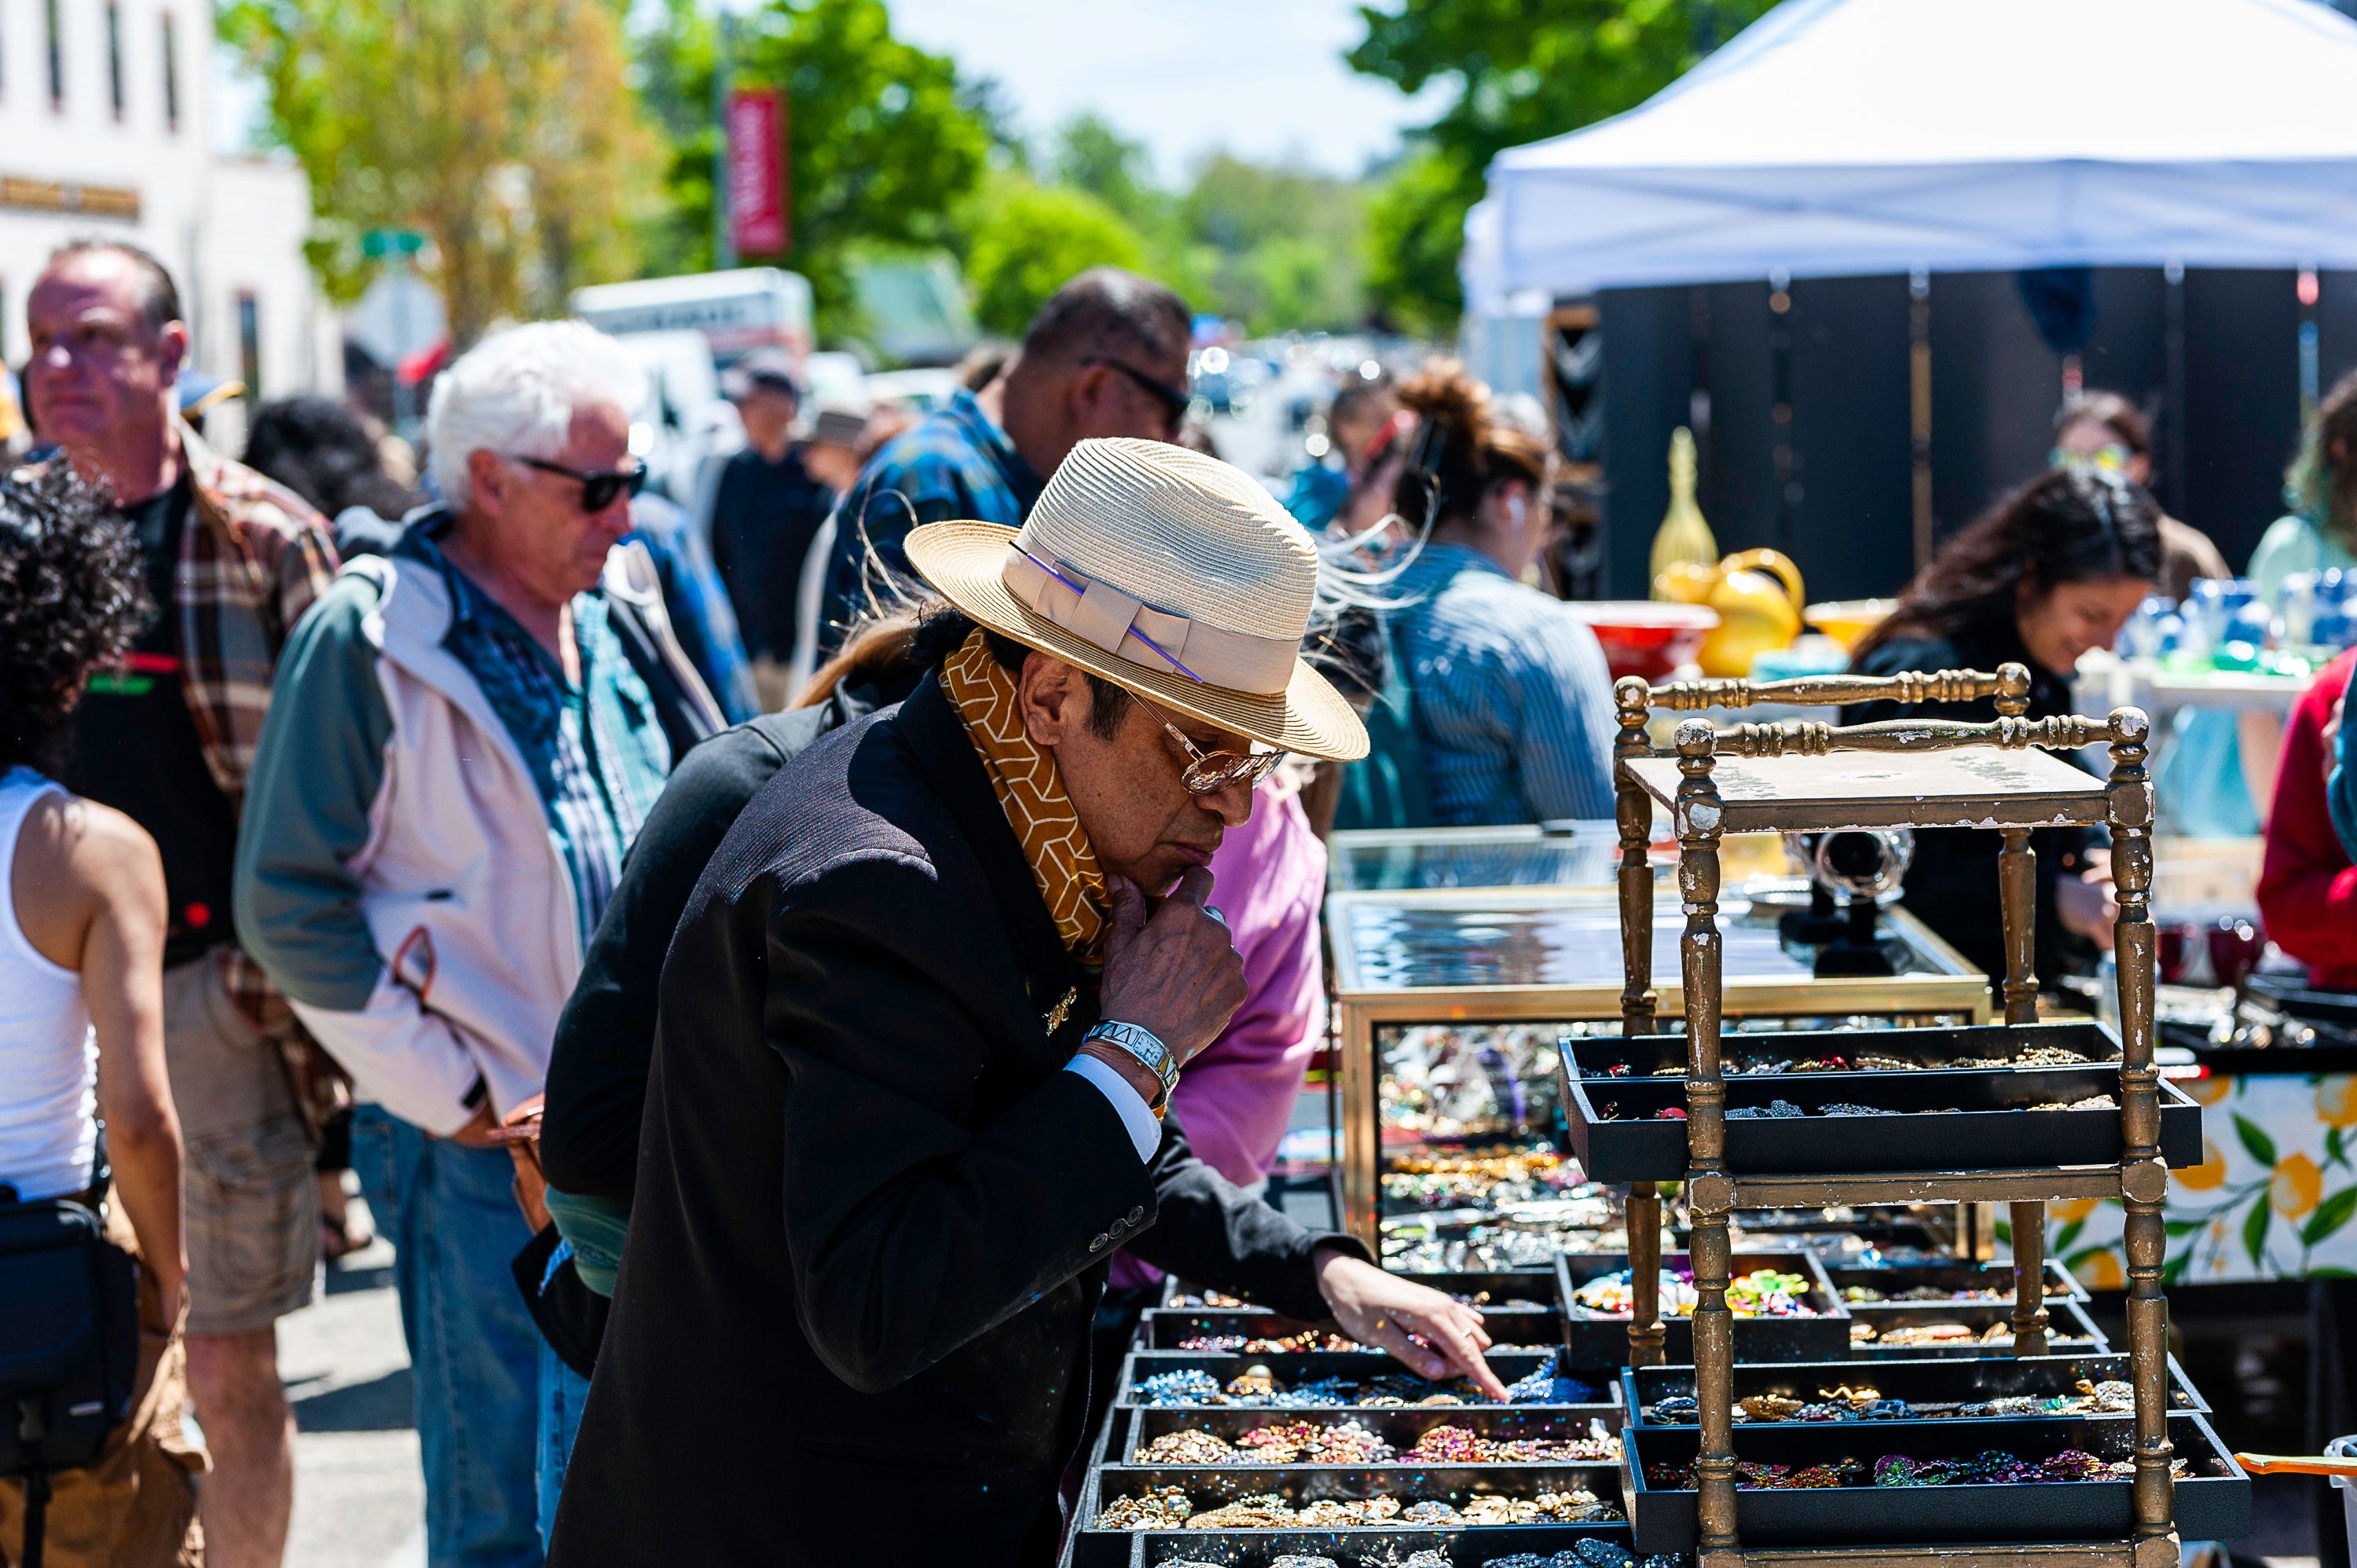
[(69, 1344)]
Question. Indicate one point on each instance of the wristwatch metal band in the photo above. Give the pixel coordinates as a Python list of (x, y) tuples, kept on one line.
[(1147, 1047)]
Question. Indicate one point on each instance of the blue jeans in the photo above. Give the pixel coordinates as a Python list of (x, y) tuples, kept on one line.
[(474, 1351), (563, 1393)]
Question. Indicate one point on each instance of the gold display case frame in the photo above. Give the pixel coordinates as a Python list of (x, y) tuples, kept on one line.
[(1961, 994)]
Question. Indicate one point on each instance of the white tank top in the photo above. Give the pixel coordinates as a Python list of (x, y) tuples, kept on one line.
[(49, 1059)]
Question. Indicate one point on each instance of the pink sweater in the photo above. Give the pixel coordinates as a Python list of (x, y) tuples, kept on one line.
[(1268, 878)]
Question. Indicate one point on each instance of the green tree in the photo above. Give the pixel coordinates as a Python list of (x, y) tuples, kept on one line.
[(882, 139), (1289, 243), (1523, 69), (1029, 239), (504, 130), (1091, 155)]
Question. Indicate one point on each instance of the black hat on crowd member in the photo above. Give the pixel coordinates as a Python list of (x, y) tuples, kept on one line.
[(763, 370)]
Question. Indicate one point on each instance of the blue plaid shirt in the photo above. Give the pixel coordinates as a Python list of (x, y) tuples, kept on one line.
[(1513, 701), (596, 751), (956, 464)]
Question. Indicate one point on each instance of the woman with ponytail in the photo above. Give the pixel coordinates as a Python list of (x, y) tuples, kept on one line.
[(1511, 697)]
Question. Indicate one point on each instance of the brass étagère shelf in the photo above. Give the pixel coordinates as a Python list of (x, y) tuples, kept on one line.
[(1913, 773)]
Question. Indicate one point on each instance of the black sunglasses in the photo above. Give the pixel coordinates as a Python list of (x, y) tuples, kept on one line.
[(599, 488), (1174, 400)]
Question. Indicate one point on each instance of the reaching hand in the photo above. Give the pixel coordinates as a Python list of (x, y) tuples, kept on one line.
[(1429, 1332), (2088, 903), (1171, 967)]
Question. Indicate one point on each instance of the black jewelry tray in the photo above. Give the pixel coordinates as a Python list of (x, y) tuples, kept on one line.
[(1295, 1368), (1997, 1276), (1545, 1245), (1961, 1119), (1928, 1380), (2069, 1329), (1465, 1546), (1211, 1485), (2212, 1500), (1536, 1286), (1591, 1342), (1398, 1425), (1974, 1047), (1167, 1328)]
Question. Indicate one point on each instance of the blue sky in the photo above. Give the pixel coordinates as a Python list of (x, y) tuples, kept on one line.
[(1264, 78)]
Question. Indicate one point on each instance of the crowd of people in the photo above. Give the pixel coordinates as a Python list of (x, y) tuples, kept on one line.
[(788, 964)]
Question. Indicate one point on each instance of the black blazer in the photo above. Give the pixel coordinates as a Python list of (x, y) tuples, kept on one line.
[(873, 1211)]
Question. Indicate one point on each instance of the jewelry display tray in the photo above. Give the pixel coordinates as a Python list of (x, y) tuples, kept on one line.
[(1168, 1328), (1535, 1287), (1398, 1425), (1292, 1369), (1212, 1485), (1945, 1119), (2213, 1497), (1894, 1278), (1603, 1342), (1465, 1546), (2068, 1328), (1926, 1380)]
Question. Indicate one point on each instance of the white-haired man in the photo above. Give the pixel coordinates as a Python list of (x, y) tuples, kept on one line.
[(462, 748)]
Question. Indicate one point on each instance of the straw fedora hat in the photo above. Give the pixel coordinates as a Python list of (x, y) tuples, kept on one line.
[(1168, 573)]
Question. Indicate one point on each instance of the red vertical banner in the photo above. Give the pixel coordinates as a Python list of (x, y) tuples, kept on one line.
[(756, 171)]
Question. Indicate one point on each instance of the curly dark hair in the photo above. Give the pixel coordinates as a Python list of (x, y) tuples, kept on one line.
[(73, 598), (2073, 525)]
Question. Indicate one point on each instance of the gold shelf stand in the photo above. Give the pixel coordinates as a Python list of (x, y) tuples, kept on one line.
[(1705, 802)]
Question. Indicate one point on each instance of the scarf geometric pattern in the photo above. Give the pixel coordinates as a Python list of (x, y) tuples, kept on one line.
[(1031, 793)]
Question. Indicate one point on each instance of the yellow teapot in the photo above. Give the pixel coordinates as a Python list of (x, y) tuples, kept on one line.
[(1758, 595)]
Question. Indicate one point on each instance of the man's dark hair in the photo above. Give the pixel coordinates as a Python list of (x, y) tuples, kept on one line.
[(942, 630), (1106, 308), (73, 596), (159, 298), (317, 447)]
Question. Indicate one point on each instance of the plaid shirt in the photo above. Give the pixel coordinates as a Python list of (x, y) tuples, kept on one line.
[(957, 464), (258, 557), (596, 751)]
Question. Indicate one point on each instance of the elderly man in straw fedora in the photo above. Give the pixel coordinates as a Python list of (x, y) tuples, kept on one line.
[(919, 1026)]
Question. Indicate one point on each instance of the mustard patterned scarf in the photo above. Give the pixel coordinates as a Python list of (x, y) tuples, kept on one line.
[(1031, 793)]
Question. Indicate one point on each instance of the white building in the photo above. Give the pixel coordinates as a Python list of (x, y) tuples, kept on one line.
[(103, 135)]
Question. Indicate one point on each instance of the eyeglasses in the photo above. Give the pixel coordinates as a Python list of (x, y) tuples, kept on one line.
[(1209, 772), (599, 488), (1174, 400)]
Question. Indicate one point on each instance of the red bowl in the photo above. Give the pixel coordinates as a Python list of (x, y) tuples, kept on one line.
[(1646, 638)]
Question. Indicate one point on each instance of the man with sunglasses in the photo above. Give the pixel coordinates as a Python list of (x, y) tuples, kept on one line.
[(464, 749), (919, 1026), (1105, 356)]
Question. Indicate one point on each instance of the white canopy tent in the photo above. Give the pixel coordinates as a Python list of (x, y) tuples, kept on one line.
[(1839, 137)]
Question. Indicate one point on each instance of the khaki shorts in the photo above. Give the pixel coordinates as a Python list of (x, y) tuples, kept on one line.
[(134, 1506), (252, 1226)]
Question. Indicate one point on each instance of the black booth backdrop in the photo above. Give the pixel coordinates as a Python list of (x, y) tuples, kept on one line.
[(1835, 365)]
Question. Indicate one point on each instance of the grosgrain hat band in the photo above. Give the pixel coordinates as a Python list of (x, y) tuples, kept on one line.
[(1109, 619)]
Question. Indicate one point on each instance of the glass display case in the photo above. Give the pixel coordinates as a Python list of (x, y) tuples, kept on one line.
[(1451, 1002)]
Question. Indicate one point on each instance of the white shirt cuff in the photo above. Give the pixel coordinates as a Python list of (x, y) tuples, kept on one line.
[(1137, 1119)]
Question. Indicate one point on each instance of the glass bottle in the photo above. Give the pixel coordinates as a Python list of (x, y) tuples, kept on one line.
[(1684, 539)]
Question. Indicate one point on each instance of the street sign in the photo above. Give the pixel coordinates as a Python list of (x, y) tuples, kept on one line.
[(378, 243), (756, 171)]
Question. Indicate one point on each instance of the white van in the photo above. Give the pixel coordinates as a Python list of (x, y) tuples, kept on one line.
[(736, 311)]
